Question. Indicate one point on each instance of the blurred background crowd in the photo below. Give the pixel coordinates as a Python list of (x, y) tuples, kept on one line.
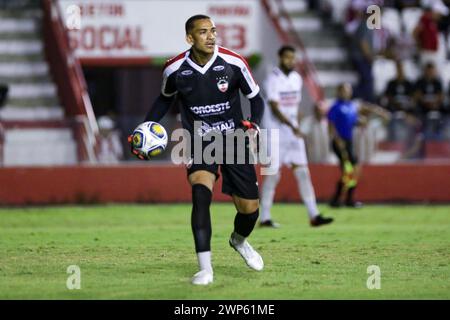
[(403, 65), (400, 63)]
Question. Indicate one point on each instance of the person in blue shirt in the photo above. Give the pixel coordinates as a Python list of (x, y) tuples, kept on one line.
[(343, 116)]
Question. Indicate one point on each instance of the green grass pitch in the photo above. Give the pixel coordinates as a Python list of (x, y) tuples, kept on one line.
[(146, 252)]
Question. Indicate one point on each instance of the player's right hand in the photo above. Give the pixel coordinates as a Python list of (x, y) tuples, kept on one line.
[(298, 133), (248, 125), (134, 151)]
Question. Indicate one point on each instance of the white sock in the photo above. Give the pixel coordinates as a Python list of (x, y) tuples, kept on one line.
[(204, 260), (267, 195), (306, 190)]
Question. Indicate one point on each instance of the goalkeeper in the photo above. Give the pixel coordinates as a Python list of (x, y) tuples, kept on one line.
[(343, 116), (207, 81)]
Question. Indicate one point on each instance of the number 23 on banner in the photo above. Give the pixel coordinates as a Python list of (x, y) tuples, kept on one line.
[(232, 36)]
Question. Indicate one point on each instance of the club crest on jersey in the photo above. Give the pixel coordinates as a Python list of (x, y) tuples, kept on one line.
[(218, 68), (222, 84)]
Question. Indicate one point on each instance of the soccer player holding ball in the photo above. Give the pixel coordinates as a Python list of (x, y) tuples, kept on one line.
[(283, 89), (206, 79)]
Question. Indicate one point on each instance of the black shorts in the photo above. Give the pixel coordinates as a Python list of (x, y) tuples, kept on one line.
[(349, 148), (237, 179)]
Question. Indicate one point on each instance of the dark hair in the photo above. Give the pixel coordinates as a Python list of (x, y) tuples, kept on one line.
[(341, 86), (285, 48), (190, 22)]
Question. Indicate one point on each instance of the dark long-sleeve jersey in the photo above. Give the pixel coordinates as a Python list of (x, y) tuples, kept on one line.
[(208, 94)]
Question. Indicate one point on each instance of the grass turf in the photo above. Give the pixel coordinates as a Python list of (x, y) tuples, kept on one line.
[(146, 252)]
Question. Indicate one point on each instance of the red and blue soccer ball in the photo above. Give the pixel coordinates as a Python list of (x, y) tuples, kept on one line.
[(149, 139)]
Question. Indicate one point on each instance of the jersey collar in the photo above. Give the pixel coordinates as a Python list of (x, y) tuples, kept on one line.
[(205, 68)]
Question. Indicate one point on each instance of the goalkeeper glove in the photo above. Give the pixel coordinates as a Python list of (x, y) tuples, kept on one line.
[(247, 124), (134, 151), (254, 135)]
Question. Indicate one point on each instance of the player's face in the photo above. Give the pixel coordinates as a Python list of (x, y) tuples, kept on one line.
[(203, 36), (288, 60), (345, 92)]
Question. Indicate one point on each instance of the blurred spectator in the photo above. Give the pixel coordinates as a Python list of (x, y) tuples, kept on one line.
[(399, 91), (354, 15), (111, 150), (429, 93), (430, 101), (441, 12), (356, 12), (3, 93), (398, 99), (362, 53), (426, 34), (343, 116)]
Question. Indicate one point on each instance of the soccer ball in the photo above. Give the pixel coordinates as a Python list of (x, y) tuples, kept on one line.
[(149, 139)]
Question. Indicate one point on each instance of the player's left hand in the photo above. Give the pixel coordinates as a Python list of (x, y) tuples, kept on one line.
[(253, 130), (133, 151)]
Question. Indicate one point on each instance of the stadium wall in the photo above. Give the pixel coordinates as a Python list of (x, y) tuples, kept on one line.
[(167, 183)]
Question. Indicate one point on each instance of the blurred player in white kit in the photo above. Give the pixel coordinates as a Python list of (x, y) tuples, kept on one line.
[(283, 88)]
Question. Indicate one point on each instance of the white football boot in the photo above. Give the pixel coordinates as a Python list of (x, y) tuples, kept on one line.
[(251, 257), (203, 278)]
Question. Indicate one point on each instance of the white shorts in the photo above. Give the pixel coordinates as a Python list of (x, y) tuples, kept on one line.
[(291, 149)]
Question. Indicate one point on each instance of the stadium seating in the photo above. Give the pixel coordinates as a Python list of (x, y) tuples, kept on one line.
[(391, 20), (411, 69), (34, 91), (339, 9), (410, 17), (445, 74), (37, 147), (324, 43), (32, 95), (383, 71)]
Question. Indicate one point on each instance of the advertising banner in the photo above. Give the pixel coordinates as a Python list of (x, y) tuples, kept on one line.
[(137, 30)]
